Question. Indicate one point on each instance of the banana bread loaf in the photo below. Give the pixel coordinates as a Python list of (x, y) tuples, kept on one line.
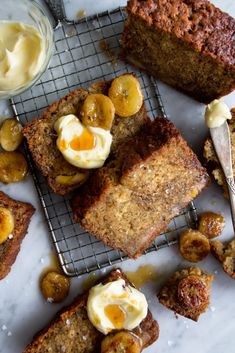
[(189, 44), (41, 137), (131, 200), (71, 330)]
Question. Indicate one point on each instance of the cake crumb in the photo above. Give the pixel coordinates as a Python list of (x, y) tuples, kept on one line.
[(81, 14), (50, 300), (70, 33), (10, 236)]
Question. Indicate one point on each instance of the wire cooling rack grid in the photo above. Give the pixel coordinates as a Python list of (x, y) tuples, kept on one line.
[(79, 60)]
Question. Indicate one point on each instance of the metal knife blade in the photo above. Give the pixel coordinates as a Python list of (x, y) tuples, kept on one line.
[(222, 144)]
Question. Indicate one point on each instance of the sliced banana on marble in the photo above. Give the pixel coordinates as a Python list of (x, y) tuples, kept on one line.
[(54, 286), (13, 167), (193, 245), (11, 134)]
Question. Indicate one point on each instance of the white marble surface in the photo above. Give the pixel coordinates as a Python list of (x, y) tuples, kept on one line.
[(22, 309)]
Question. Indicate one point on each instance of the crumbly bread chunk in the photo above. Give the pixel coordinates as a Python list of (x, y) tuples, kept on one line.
[(225, 253), (195, 291), (212, 161), (131, 200), (41, 137), (22, 213), (188, 44), (72, 332)]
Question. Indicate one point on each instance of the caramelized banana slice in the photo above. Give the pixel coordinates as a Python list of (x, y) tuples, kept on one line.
[(13, 167), (123, 341), (211, 224), (6, 224), (193, 245), (72, 179), (126, 95), (98, 111), (11, 134), (193, 292), (54, 286)]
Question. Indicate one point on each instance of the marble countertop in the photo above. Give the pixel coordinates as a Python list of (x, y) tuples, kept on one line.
[(22, 309)]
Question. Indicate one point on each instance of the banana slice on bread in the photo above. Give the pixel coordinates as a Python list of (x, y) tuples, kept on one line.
[(123, 342), (72, 179), (6, 224), (98, 111), (126, 95)]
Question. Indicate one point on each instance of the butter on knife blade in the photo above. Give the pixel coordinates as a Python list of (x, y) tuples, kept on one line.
[(222, 144), (217, 112)]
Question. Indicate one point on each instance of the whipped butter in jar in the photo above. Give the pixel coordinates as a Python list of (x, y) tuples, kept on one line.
[(22, 54)]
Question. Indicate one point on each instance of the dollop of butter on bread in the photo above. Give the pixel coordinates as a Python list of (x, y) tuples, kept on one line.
[(116, 306), (83, 146)]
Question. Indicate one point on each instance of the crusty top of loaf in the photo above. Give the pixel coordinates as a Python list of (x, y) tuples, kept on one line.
[(197, 22), (131, 200)]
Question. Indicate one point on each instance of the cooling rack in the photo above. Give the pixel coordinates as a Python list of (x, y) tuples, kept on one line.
[(86, 51)]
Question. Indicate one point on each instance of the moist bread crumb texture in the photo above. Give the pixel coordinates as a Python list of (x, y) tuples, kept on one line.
[(131, 200), (225, 253), (71, 330), (22, 213), (41, 136), (212, 162), (195, 290), (187, 44)]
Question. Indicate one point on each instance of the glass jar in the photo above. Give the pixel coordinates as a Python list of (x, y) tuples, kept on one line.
[(29, 12)]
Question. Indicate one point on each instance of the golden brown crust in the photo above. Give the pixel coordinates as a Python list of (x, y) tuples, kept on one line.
[(187, 292), (193, 34), (197, 22), (41, 137), (148, 183), (9, 250), (225, 253), (148, 330)]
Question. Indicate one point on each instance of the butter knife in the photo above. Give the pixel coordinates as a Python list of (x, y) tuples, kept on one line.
[(222, 144)]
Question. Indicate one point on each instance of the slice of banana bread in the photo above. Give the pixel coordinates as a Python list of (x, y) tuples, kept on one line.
[(9, 249), (188, 44), (187, 292), (131, 200), (71, 331), (212, 162), (41, 137), (225, 253)]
